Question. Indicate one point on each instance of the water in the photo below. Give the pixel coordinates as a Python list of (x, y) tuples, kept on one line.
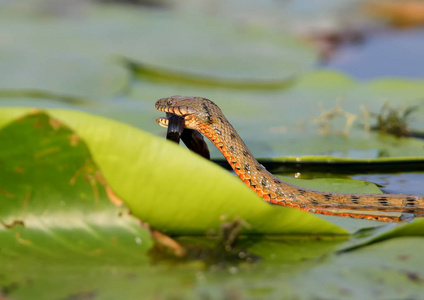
[(397, 53)]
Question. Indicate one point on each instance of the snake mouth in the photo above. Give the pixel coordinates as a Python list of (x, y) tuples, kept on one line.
[(163, 122), (162, 108), (172, 110)]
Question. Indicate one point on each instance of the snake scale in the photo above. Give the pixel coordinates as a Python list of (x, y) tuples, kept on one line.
[(206, 117)]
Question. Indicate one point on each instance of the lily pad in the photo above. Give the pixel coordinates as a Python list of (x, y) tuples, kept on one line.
[(152, 175), (336, 185), (54, 200), (181, 41), (392, 269), (367, 236), (59, 215), (40, 51), (28, 69)]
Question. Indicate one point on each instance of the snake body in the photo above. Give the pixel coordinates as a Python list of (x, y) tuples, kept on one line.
[(206, 117)]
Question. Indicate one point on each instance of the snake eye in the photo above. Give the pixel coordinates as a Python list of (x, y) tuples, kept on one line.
[(170, 102)]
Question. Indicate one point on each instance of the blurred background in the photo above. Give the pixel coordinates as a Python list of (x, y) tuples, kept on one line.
[(294, 77)]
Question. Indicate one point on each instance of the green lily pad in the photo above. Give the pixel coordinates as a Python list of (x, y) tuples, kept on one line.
[(79, 55), (335, 185), (367, 236), (392, 269), (53, 198), (152, 176), (180, 42), (25, 70)]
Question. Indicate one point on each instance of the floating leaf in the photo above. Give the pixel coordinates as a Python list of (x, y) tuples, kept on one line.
[(54, 201), (393, 269), (173, 189)]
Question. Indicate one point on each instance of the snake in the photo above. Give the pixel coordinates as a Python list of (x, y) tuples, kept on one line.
[(203, 115)]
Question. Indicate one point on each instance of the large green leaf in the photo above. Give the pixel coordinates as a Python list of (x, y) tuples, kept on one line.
[(56, 210), (53, 200), (172, 189)]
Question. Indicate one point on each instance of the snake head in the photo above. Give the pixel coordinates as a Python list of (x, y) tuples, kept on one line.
[(196, 111)]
